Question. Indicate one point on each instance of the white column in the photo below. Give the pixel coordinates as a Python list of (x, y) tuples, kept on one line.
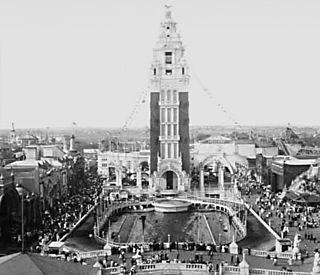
[(119, 176), (201, 181), (166, 150), (221, 177), (139, 185)]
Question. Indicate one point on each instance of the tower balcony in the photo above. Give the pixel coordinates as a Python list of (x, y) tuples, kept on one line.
[(169, 138), (169, 103)]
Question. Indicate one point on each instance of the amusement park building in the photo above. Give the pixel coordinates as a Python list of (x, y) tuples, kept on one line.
[(285, 169), (242, 153), (131, 160)]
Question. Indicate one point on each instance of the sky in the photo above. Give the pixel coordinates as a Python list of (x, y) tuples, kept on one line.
[(252, 62)]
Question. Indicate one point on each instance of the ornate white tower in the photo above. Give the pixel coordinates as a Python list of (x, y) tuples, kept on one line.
[(169, 108)]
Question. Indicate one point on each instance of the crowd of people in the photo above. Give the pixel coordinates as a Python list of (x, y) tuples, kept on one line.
[(61, 218), (284, 215)]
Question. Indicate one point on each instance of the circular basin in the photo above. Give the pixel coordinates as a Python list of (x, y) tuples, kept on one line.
[(171, 206)]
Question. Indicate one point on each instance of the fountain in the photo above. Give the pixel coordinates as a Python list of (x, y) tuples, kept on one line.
[(171, 206)]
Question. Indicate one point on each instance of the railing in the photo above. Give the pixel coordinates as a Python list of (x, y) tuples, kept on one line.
[(258, 271), (92, 254), (146, 267), (263, 253), (110, 270), (174, 266), (232, 204), (233, 269), (195, 266)]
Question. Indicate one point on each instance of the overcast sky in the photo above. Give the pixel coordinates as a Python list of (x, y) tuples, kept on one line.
[(88, 61)]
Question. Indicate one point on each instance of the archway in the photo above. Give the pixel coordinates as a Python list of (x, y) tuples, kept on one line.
[(213, 160), (112, 173), (211, 166), (171, 179), (10, 213), (144, 166)]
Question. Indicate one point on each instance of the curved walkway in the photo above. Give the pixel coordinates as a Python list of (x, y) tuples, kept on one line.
[(218, 205)]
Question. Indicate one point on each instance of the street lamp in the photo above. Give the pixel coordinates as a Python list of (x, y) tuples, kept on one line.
[(22, 217)]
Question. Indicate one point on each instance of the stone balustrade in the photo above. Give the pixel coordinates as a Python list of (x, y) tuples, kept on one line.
[(232, 270)]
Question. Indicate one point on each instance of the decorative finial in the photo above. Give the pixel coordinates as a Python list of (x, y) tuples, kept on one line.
[(168, 11)]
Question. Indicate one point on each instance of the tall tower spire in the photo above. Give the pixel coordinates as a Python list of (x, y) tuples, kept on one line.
[(169, 105)]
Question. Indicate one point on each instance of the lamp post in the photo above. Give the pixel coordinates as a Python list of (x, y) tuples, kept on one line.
[(22, 218), (22, 222)]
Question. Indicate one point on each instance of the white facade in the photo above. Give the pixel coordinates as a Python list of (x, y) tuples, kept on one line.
[(169, 76), (130, 161)]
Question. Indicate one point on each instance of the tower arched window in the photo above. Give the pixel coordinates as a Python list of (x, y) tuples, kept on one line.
[(169, 115), (168, 57), (175, 115), (163, 130), (175, 150), (175, 130), (163, 115), (169, 150), (168, 95), (162, 96), (175, 96), (163, 150), (169, 130)]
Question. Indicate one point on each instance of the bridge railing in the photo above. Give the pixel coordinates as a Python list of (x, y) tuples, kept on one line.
[(233, 204)]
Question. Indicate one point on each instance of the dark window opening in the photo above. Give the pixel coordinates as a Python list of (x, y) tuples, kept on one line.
[(168, 35), (154, 71), (168, 28), (168, 72), (168, 56), (182, 70)]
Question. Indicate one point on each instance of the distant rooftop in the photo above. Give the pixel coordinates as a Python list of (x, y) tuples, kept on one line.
[(295, 161)]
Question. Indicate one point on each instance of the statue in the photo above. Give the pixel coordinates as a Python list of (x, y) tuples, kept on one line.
[(296, 243), (316, 264)]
